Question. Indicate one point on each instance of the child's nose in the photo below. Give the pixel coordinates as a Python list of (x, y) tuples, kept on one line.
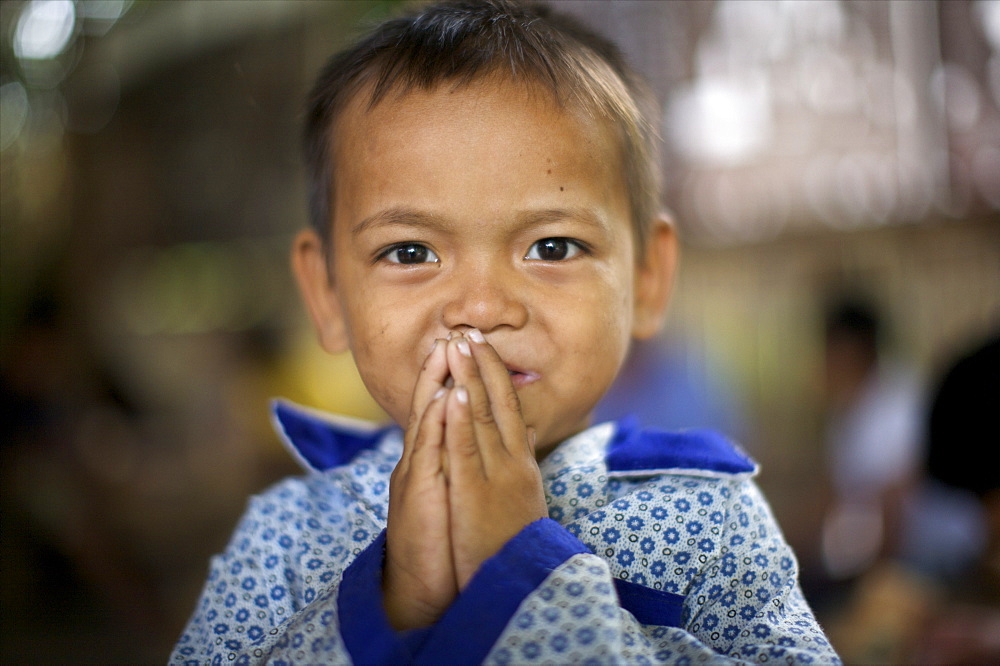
[(485, 298)]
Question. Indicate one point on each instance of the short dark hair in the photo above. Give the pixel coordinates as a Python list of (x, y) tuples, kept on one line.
[(962, 416), (467, 40)]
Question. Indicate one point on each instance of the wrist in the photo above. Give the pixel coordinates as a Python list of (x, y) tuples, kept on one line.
[(406, 611)]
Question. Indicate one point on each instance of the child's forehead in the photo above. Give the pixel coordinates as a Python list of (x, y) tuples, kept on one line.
[(481, 113), (368, 113), (499, 114)]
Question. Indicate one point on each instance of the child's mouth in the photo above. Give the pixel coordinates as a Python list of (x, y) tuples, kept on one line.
[(521, 378)]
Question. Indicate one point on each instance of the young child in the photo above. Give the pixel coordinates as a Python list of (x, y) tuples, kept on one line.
[(486, 242)]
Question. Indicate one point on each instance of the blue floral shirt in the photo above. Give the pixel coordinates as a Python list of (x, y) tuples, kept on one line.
[(659, 548)]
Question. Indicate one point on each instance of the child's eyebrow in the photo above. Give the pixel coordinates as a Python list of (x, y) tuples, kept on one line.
[(585, 215), (398, 216)]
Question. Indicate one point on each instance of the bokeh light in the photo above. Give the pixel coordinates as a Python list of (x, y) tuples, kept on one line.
[(44, 29)]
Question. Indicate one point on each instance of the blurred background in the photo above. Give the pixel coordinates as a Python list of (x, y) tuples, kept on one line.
[(834, 170)]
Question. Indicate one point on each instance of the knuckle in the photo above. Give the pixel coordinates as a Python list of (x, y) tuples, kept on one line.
[(467, 449), (483, 415), (511, 401), (464, 445)]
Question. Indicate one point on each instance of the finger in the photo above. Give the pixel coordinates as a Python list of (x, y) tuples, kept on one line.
[(506, 406), (430, 380), (433, 374), (426, 451), (431, 422), (465, 370), (462, 448)]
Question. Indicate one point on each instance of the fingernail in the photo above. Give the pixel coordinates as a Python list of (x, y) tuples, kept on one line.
[(440, 393), (475, 335), (463, 347), (462, 395)]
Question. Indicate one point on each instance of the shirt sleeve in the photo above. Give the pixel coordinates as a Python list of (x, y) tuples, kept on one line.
[(469, 628), (281, 571)]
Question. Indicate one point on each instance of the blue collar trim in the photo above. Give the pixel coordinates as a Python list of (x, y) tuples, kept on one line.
[(321, 441), (635, 451)]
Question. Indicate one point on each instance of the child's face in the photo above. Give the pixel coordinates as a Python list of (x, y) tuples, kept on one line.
[(490, 208)]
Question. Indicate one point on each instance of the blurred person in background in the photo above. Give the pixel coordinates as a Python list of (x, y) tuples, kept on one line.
[(915, 536), (939, 602), (874, 443), (69, 433), (964, 623), (873, 440)]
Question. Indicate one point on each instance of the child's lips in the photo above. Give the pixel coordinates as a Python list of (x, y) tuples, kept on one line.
[(519, 377)]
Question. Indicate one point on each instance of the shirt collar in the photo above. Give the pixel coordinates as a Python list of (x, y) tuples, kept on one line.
[(321, 441), (635, 451)]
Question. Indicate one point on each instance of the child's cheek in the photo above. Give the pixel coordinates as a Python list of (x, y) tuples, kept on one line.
[(390, 397)]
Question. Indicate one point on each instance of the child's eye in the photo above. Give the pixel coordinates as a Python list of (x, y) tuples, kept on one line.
[(410, 253), (554, 249)]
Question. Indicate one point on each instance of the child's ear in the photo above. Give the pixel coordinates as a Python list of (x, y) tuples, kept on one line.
[(309, 264), (654, 278)]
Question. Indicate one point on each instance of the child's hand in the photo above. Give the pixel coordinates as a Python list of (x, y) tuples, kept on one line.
[(494, 487), (419, 579)]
